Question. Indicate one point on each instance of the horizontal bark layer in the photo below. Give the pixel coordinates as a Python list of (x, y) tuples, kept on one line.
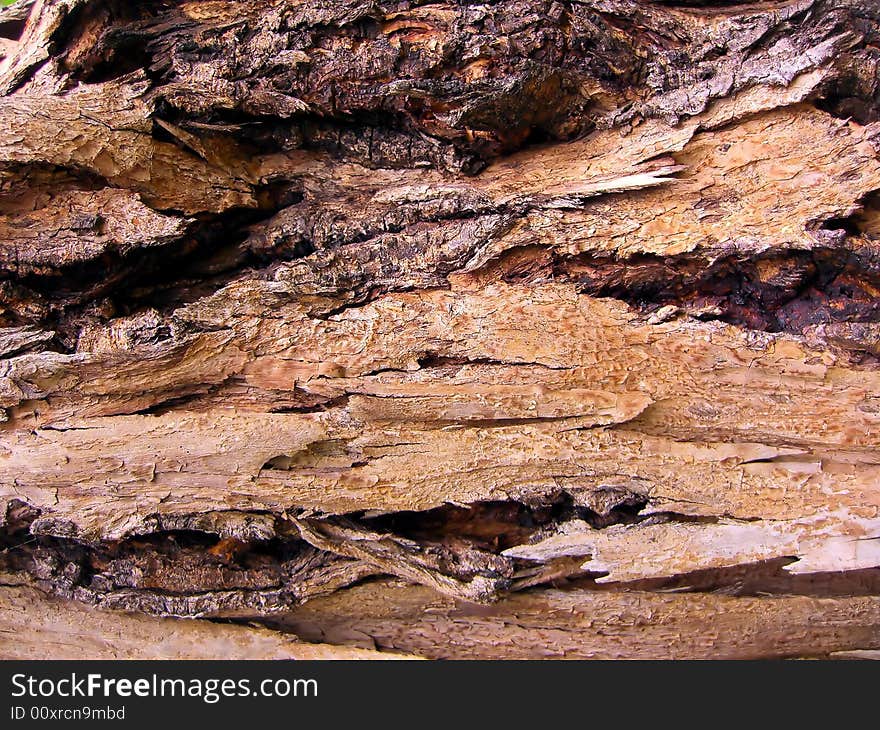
[(493, 299)]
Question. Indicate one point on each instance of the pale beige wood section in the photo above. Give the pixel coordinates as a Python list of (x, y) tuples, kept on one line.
[(705, 420), (36, 626), (580, 624), (105, 129)]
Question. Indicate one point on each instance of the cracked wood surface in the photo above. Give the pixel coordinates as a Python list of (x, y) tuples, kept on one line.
[(39, 627), (485, 298), (554, 624)]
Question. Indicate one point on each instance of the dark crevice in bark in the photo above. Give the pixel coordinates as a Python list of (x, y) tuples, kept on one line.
[(188, 571), (183, 401), (323, 405), (212, 256), (492, 526), (846, 100), (774, 291), (782, 290), (621, 507), (495, 526), (121, 46), (11, 28), (178, 572), (160, 278), (754, 579), (436, 360), (28, 187)]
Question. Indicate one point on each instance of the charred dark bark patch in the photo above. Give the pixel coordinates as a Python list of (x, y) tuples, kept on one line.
[(190, 571), (493, 526), (100, 40), (773, 292), (118, 284), (174, 572)]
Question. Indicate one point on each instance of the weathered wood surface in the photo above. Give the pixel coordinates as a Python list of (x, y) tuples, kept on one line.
[(554, 624), (486, 298), (39, 627)]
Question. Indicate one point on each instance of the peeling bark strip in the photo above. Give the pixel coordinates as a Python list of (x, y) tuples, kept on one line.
[(569, 309)]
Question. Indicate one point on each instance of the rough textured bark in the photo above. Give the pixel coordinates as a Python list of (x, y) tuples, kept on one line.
[(563, 314), (40, 627)]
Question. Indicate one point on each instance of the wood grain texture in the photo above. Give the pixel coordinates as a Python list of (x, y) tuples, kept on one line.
[(540, 308), (556, 624), (39, 627)]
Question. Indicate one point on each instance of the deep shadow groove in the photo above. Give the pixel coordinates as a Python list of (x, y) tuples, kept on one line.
[(773, 292), (493, 526), (121, 47), (625, 511), (179, 402), (12, 29), (186, 562), (161, 277), (26, 181), (851, 97), (321, 406), (141, 572), (848, 225), (754, 579)]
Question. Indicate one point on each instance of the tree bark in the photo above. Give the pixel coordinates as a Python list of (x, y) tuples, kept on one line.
[(516, 329)]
